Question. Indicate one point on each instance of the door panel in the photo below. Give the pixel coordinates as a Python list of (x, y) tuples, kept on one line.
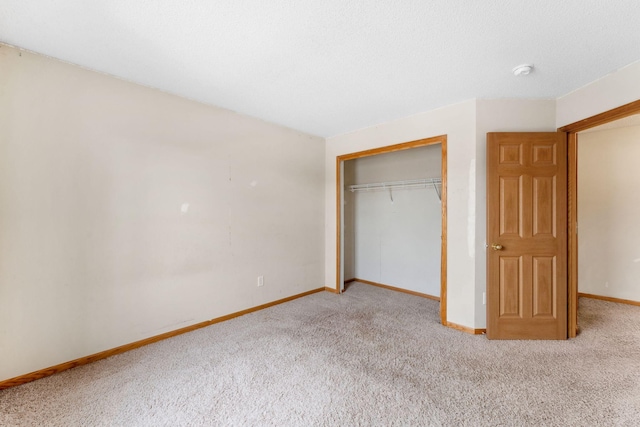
[(526, 232), (510, 286), (544, 206), (510, 218), (544, 285)]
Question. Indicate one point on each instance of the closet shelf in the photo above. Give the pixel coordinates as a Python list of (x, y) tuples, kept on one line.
[(396, 185)]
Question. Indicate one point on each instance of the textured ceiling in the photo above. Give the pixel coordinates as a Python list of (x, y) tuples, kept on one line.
[(333, 66)]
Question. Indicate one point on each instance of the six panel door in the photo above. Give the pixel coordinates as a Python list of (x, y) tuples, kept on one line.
[(526, 236)]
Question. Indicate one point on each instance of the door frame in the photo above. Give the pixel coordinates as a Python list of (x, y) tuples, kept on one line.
[(572, 170), (441, 139)]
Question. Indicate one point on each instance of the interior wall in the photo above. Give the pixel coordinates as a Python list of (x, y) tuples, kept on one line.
[(608, 212), (393, 237), (126, 212), (611, 91), (458, 123)]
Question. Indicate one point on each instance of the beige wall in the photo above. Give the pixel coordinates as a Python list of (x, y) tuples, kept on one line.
[(126, 212), (608, 212)]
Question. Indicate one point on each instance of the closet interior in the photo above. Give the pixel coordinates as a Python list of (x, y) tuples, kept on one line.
[(393, 219)]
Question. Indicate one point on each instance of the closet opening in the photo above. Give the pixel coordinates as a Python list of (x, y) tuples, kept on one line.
[(391, 216)]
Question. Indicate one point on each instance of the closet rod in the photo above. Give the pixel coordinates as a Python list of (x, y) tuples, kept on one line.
[(412, 183)]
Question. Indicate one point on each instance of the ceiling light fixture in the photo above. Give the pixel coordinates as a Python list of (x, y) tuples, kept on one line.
[(523, 70)]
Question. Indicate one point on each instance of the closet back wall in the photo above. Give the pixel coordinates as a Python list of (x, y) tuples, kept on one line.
[(393, 237)]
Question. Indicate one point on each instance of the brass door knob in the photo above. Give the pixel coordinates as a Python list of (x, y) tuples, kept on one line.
[(496, 247)]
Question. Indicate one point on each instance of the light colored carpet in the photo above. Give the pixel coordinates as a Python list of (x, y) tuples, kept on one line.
[(368, 357)]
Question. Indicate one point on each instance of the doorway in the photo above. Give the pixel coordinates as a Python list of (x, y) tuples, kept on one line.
[(608, 209), (572, 130), (441, 189)]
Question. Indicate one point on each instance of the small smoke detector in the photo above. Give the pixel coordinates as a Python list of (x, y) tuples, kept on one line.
[(523, 70)]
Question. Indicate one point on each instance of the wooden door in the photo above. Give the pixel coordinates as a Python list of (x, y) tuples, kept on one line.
[(526, 236)]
